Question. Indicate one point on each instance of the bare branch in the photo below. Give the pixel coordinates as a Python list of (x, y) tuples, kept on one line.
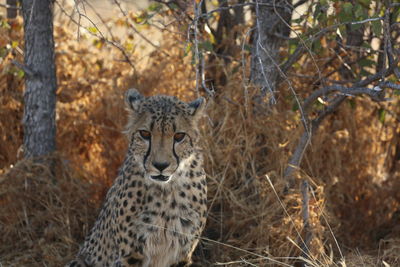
[(390, 85), (358, 88), (295, 160), (111, 42), (306, 220), (199, 56), (10, 6), (376, 95), (301, 49), (196, 44), (135, 30), (223, 8), (26, 69)]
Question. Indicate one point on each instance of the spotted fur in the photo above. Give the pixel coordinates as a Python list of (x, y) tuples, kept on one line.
[(155, 211)]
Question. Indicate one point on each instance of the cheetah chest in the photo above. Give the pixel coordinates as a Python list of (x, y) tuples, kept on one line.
[(167, 221), (172, 229)]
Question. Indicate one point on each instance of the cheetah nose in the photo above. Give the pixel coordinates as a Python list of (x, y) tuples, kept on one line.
[(161, 165)]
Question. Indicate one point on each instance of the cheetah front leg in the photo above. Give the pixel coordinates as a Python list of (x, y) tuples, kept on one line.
[(187, 261), (77, 263), (131, 261)]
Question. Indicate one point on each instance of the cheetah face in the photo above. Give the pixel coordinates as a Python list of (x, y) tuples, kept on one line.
[(163, 133)]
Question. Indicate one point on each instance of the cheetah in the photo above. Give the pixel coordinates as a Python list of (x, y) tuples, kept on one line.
[(156, 208)]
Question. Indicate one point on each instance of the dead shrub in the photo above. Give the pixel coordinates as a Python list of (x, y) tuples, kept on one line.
[(43, 215)]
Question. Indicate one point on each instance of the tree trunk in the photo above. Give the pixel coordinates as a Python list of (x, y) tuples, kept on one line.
[(40, 79), (272, 18)]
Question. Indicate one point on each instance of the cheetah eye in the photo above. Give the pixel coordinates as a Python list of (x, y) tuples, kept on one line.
[(179, 137), (146, 135)]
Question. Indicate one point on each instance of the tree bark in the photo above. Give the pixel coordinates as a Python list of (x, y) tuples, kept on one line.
[(40, 79), (272, 18)]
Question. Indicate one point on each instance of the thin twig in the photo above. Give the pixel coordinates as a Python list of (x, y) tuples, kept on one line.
[(101, 37), (348, 91), (301, 49), (196, 45), (217, 10), (244, 79), (135, 30), (306, 220)]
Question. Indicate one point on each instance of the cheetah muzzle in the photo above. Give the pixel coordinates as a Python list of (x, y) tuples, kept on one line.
[(155, 211)]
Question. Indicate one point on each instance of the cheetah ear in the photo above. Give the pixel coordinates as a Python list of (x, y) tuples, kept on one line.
[(197, 106), (133, 99)]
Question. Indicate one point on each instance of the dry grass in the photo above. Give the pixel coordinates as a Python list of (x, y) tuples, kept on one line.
[(351, 167), (43, 215)]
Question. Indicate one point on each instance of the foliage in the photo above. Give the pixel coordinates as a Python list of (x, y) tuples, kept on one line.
[(352, 166)]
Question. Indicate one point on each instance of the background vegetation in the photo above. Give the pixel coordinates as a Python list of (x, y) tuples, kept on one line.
[(332, 113)]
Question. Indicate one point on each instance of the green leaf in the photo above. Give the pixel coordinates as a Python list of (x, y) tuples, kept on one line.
[(5, 25), (20, 73), (317, 10), (155, 7), (355, 27), (247, 47), (365, 3), (3, 52), (376, 27), (141, 18), (318, 106), (348, 8), (173, 6), (316, 46), (206, 45), (366, 45), (236, 69), (129, 46), (212, 38), (365, 62), (343, 31), (352, 103), (92, 30), (188, 48), (322, 18), (359, 12), (14, 44), (297, 21), (295, 106), (382, 115), (345, 17), (293, 44), (364, 73)]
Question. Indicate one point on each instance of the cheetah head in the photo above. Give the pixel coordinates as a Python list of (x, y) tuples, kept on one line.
[(163, 132)]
